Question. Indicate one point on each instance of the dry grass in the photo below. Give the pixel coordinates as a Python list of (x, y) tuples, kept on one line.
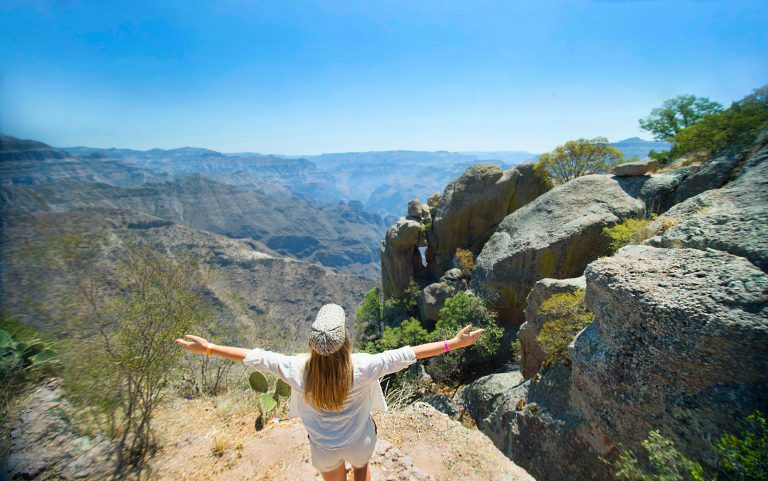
[(219, 445)]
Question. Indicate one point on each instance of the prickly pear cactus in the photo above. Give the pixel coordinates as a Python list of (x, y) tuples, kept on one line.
[(258, 382), (282, 388), (268, 403)]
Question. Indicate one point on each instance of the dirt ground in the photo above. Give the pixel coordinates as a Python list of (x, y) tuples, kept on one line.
[(415, 444)]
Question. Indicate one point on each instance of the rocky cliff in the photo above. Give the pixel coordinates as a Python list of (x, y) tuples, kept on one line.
[(464, 217), (677, 342)]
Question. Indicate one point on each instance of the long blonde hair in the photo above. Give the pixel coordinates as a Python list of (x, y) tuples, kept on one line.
[(328, 379)]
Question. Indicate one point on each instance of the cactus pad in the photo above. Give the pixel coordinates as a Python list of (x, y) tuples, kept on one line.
[(258, 382)]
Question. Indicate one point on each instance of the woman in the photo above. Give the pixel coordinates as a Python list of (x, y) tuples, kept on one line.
[(336, 389)]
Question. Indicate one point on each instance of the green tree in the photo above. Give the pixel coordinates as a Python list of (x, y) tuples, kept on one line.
[(369, 317), (738, 125), (580, 157), (676, 114)]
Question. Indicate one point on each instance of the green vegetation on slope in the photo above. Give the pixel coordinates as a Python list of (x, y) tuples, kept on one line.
[(740, 458), (698, 126), (569, 316)]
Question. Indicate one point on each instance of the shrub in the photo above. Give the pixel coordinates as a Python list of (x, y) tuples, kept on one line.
[(569, 316), (403, 306), (410, 332), (24, 358), (629, 231), (745, 458), (740, 458), (433, 199), (126, 357), (464, 261), (665, 461), (458, 311)]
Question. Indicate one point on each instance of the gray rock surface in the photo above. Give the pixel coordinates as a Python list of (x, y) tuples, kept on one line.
[(659, 190), (732, 218), (531, 355), (712, 174), (678, 343), (629, 169), (474, 204), (555, 236), (479, 397), (433, 297)]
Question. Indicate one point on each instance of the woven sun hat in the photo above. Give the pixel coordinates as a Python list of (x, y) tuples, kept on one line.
[(328, 332)]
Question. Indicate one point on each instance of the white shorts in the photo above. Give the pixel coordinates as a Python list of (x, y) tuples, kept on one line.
[(358, 455)]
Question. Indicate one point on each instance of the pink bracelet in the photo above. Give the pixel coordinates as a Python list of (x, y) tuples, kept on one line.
[(445, 345)]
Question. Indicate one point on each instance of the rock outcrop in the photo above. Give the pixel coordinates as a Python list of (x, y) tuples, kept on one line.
[(474, 204), (556, 236), (531, 355), (731, 219), (678, 343), (463, 217), (400, 257)]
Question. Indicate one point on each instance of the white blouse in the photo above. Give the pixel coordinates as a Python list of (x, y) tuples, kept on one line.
[(335, 429)]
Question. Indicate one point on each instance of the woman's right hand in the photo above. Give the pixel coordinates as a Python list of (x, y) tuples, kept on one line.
[(467, 337), (196, 344)]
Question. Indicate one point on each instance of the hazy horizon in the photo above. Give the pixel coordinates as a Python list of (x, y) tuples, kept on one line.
[(308, 78)]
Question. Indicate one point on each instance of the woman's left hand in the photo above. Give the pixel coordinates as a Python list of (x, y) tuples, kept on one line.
[(196, 344)]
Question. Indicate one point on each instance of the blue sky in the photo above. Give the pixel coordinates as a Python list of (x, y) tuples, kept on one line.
[(299, 77)]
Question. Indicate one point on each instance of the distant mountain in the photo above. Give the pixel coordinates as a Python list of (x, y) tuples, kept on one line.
[(382, 181), (341, 236), (268, 173), (32, 162), (639, 147), (261, 298)]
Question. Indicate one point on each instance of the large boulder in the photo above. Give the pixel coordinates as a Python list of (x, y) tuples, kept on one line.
[(474, 204), (732, 218), (659, 190), (531, 355), (712, 174), (400, 256), (555, 236), (678, 344), (532, 423), (479, 397)]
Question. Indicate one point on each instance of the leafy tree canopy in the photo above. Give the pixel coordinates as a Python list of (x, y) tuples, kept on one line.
[(677, 114), (580, 157)]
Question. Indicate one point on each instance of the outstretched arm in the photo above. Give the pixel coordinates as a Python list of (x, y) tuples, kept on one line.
[(198, 345), (465, 337)]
